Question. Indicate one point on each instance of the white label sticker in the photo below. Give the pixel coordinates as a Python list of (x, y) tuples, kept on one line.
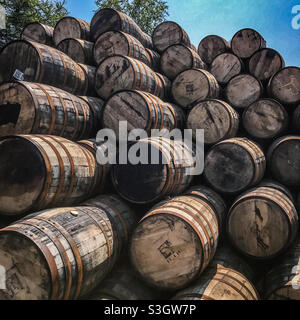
[(18, 75)]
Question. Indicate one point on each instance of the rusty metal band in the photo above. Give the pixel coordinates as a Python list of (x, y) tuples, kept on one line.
[(147, 96), (65, 111), (150, 109), (138, 66), (92, 172), (129, 43), (135, 77)]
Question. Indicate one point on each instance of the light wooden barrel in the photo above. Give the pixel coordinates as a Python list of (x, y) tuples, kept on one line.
[(153, 59), (226, 66), (265, 119), (38, 32), (194, 85), (178, 58), (43, 64), (243, 90), (70, 27), (264, 63), (246, 42), (79, 50), (169, 33), (175, 242), (211, 46), (33, 108), (217, 118), (234, 165), (58, 254), (168, 174), (283, 160), (90, 74), (262, 223), (284, 86), (63, 174), (117, 42)]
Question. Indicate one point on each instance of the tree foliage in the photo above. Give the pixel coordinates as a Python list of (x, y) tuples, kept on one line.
[(146, 13)]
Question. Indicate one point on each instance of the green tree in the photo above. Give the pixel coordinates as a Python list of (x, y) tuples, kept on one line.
[(146, 13), (21, 12)]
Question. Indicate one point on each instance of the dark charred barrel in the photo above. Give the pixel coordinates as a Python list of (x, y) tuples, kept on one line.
[(226, 66), (246, 42), (63, 174), (33, 108), (61, 254), (175, 241), (43, 64), (234, 165), (283, 159), (168, 172), (275, 185), (243, 90), (169, 33), (79, 50), (211, 46), (90, 75), (217, 118), (153, 59), (284, 86), (265, 119), (178, 58), (70, 27), (38, 32), (117, 42), (262, 223), (194, 85), (265, 63)]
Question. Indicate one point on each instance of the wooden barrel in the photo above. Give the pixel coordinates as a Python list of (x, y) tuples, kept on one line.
[(70, 27), (90, 74), (246, 42), (211, 46), (217, 118), (33, 108), (42, 64), (169, 33), (194, 85), (64, 173), (117, 42), (262, 223), (178, 58), (275, 185), (226, 66), (243, 90), (283, 160), (264, 63), (296, 119), (175, 242), (38, 32), (284, 86), (79, 50), (265, 119), (58, 254), (164, 85), (234, 165), (153, 59), (168, 171)]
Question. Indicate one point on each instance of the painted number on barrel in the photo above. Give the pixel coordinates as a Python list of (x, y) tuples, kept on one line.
[(168, 252)]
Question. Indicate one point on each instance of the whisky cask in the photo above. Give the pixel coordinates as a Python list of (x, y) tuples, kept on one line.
[(153, 59), (278, 186), (90, 75), (38, 32)]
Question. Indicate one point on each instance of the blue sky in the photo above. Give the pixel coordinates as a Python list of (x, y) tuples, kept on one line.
[(272, 18)]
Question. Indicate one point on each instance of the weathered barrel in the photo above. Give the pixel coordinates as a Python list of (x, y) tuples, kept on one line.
[(265, 119), (211, 46), (284, 86), (264, 63), (226, 66), (117, 42), (276, 185), (243, 90), (246, 42), (217, 118), (175, 242), (153, 59), (43, 64), (234, 165), (64, 173), (283, 160), (38, 32), (79, 50), (70, 27), (262, 223), (178, 58), (169, 33), (60, 254), (168, 172), (194, 85), (164, 87), (33, 108), (90, 75)]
